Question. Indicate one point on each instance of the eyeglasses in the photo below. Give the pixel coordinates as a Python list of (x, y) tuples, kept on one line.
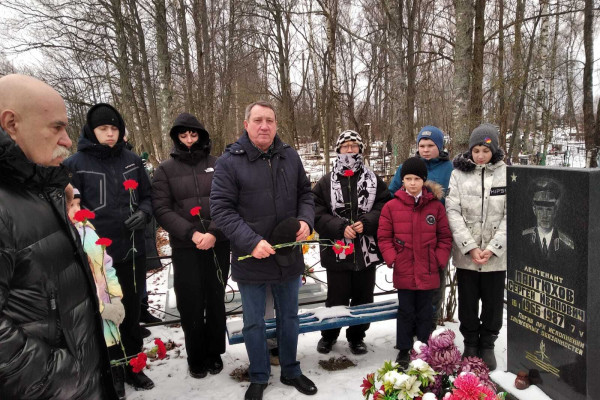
[(350, 147)]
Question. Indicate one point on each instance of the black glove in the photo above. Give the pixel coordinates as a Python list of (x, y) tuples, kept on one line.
[(136, 221)]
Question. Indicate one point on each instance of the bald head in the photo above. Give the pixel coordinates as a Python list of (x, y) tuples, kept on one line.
[(35, 117)]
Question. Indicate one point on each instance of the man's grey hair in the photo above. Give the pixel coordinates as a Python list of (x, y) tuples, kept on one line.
[(262, 103)]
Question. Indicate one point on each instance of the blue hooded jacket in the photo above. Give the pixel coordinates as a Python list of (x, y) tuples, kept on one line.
[(438, 170)]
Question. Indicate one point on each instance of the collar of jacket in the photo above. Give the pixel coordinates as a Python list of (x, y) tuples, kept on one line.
[(192, 155), (406, 198), (438, 160), (97, 150), (244, 146), (17, 169), (463, 162)]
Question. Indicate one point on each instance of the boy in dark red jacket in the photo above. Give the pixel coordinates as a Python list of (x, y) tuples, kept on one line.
[(415, 240)]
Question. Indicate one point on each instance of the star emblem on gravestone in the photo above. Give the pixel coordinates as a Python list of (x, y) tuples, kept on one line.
[(513, 177)]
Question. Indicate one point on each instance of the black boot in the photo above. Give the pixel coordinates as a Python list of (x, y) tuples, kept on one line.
[(470, 351), (148, 318), (255, 391), (489, 358), (139, 380), (403, 359), (118, 375), (324, 346), (486, 350)]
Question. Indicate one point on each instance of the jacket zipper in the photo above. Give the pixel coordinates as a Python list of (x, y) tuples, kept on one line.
[(197, 188), (482, 191), (52, 315), (274, 204)]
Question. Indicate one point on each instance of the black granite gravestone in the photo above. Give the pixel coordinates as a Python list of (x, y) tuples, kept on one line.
[(553, 282)]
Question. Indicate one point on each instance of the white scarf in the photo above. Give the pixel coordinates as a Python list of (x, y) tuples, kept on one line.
[(367, 189)]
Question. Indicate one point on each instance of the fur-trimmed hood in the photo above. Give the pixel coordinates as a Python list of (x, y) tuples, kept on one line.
[(432, 190), (464, 162)]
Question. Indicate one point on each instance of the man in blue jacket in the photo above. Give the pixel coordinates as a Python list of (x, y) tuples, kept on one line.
[(99, 168), (258, 183), (430, 144)]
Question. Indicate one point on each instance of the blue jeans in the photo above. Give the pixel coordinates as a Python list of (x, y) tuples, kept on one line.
[(285, 295)]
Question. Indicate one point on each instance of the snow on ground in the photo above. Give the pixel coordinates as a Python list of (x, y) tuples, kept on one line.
[(173, 382)]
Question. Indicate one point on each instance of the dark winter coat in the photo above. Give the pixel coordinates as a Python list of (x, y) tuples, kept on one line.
[(439, 170), (182, 183), (51, 343), (98, 171), (415, 238), (332, 227), (252, 193)]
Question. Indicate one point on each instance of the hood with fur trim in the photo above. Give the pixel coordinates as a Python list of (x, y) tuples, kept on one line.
[(464, 162)]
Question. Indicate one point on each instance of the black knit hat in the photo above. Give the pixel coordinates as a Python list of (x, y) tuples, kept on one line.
[(414, 166), (104, 115), (285, 232)]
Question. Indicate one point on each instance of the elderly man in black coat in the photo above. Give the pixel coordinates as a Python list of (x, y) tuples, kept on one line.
[(51, 342), (259, 183)]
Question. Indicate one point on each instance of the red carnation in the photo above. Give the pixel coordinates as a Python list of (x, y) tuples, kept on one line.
[(161, 351), (195, 211), (138, 363), (338, 247), (130, 184), (104, 242), (348, 173), (83, 215), (350, 249)]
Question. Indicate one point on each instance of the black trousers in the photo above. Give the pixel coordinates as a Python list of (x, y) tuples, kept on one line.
[(439, 296), (480, 330), (414, 317), (132, 294), (349, 288), (200, 301)]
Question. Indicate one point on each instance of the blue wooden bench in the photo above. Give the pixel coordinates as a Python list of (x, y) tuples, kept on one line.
[(320, 319)]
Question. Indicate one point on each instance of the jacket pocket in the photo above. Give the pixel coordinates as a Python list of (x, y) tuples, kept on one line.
[(284, 181)]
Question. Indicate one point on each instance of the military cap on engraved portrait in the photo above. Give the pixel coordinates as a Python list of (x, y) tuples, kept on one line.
[(545, 242)]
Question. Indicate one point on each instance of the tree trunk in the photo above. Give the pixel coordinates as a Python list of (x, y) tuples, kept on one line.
[(324, 134), (520, 105), (330, 11), (164, 74), (476, 104), (591, 140), (185, 49), (541, 98), (463, 57), (501, 115)]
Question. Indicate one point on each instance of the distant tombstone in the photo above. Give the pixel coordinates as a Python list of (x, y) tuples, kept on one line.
[(553, 282)]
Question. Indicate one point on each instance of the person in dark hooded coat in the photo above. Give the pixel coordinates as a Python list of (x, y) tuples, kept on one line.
[(200, 256), (99, 169)]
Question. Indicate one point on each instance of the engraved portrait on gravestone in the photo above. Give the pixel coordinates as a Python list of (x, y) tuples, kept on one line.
[(546, 244)]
